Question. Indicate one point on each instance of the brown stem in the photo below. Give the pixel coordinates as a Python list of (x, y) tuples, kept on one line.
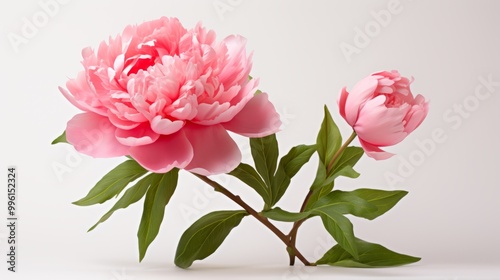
[(297, 224), (256, 215)]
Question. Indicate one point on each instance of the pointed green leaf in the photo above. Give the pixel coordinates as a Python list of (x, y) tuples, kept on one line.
[(349, 157), (281, 215), (289, 165), (248, 175), (321, 180), (60, 139), (205, 235), (364, 203), (346, 171), (346, 203), (329, 139), (339, 227), (323, 183), (265, 155), (383, 200), (370, 255), (131, 196), (113, 183), (157, 197), (321, 186)]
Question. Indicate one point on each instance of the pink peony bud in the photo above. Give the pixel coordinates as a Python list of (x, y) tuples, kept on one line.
[(382, 111)]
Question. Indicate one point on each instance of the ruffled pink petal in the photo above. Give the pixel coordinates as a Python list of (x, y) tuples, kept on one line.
[(167, 152), (417, 114), (82, 96), (237, 104), (374, 151), (207, 113), (165, 126), (215, 152), (380, 125), (359, 94), (257, 119), (342, 100), (237, 66), (138, 136), (120, 122), (94, 135)]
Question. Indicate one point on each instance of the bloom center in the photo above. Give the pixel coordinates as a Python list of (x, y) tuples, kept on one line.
[(147, 56), (392, 101)]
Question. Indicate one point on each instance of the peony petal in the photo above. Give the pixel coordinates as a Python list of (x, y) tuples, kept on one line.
[(374, 151), (138, 136), (359, 94), (120, 122), (380, 125), (207, 113), (81, 95), (342, 99), (94, 135), (215, 152), (165, 126), (416, 115), (167, 152), (237, 65), (257, 119), (237, 104)]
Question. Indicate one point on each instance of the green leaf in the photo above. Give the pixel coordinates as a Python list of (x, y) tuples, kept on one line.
[(289, 165), (248, 175), (321, 186), (349, 157), (265, 155), (346, 203), (323, 183), (161, 190), (339, 227), (131, 196), (205, 235), (346, 171), (370, 255), (383, 200), (113, 183), (321, 178), (60, 139), (329, 139), (281, 215)]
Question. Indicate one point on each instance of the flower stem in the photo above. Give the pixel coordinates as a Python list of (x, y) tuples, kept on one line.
[(297, 224), (237, 199), (339, 152)]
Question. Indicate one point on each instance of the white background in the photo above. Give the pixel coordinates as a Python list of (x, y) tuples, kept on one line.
[(450, 217)]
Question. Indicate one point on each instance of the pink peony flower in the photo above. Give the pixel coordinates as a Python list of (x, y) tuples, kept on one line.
[(166, 96), (382, 111)]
